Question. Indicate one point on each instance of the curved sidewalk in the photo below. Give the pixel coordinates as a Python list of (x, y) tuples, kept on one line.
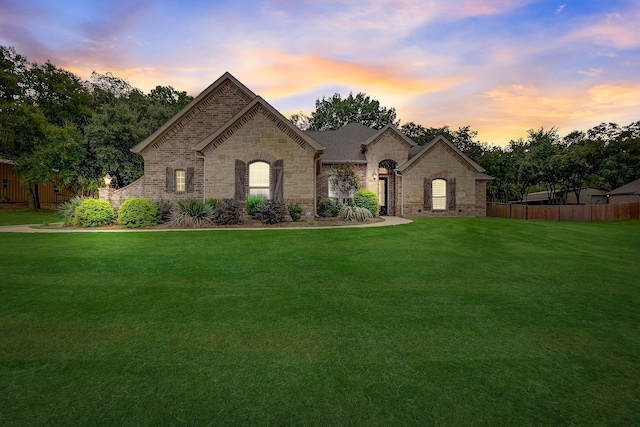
[(36, 228)]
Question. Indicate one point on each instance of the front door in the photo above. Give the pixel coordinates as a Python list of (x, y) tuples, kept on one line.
[(383, 199)]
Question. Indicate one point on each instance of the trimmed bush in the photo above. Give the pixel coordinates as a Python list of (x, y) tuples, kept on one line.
[(355, 213), (191, 213), (253, 205), (295, 211), (68, 209), (228, 212), (163, 208), (366, 199), (93, 213), (329, 208), (271, 212), (137, 212)]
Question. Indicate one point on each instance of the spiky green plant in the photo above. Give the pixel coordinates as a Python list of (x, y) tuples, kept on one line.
[(68, 209), (190, 213)]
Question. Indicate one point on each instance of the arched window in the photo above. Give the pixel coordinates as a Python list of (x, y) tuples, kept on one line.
[(259, 173), (439, 194)]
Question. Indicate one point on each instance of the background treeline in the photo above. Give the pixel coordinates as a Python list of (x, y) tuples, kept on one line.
[(55, 126), (604, 157)]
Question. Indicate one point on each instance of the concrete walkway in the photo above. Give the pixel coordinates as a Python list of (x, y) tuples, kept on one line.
[(58, 228)]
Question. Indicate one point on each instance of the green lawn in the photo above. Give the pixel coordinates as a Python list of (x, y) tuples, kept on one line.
[(26, 216), (441, 322)]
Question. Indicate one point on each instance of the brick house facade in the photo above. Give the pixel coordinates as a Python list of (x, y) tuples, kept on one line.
[(230, 143)]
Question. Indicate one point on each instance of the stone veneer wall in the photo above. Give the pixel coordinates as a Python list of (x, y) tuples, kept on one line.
[(260, 139), (174, 147), (441, 162), (388, 146)]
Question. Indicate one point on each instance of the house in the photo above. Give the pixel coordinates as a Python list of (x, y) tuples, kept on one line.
[(629, 193), (588, 196), (230, 143)]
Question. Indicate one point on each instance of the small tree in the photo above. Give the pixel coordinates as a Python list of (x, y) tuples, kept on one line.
[(344, 180)]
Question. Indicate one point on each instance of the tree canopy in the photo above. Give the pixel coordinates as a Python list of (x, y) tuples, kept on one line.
[(57, 127), (334, 112)]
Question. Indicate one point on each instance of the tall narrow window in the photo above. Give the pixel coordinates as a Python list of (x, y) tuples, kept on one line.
[(181, 181), (334, 192), (259, 173), (439, 194)]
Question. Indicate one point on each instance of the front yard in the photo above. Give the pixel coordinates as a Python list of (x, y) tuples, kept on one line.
[(477, 321)]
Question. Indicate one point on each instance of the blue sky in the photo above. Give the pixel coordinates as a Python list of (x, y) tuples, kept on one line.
[(500, 66)]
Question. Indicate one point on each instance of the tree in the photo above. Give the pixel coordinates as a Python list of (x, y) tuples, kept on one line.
[(545, 160), (12, 74), (499, 163), (345, 180), (124, 116), (43, 108), (335, 112)]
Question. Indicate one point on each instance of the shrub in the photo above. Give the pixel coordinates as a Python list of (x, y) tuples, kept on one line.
[(228, 212), (192, 213), (328, 208), (163, 208), (355, 213), (366, 199), (137, 212), (252, 206), (68, 209), (271, 212), (212, 202), (94, 212), (295, 211)]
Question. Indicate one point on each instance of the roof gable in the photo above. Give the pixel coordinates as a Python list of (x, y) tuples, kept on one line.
[(258, 106), (185, 115), (631, 188), (463, 158), (391, 130)]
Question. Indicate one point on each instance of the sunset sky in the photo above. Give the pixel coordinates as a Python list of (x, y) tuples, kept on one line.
[(500, 66)]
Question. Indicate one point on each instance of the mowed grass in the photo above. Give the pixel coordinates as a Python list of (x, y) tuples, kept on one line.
[(20, 216), (478, 321)]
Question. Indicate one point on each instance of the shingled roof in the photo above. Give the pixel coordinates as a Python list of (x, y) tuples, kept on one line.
[(631, 188), (344, 144)]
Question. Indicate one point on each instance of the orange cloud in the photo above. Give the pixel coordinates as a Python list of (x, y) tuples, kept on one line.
[(517, 108), (285, 75)]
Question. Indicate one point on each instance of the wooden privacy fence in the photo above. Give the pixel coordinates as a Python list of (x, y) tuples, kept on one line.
[(584, 213)]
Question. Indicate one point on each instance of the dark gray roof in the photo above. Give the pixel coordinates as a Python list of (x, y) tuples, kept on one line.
[(631, 188), (414, 150), (343, 145)]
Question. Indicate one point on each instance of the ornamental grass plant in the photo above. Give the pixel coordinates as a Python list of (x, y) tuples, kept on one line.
[(190, 213)]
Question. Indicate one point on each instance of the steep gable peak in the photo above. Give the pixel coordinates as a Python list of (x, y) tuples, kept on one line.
[(224, 82), (259, 106), (391, 130)]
